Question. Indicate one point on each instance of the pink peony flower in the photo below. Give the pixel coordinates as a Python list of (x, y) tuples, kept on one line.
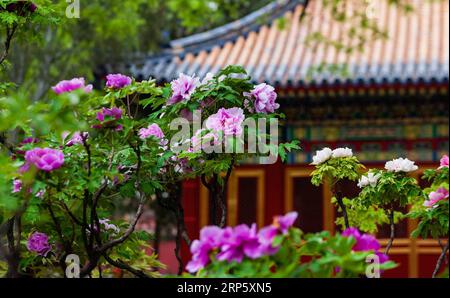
[(238, 242), (436, 196), (20, 6), (234, 244), (115, 113), (107, 118), (24, 168), (264, 97), (28, 140), (17, 185), (152, 130), (444, 162), (45, 159), (40, 194), (117, 81), (227, 120), (181, 165), (187, 114), (38, 243), (210, 239), (71, 85), (182, 88), (105, 222), (285, 222), (266, 236), (199, 141), (365, 242), (77, 138)]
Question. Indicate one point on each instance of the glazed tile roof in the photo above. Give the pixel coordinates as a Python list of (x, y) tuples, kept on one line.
[(416, 50)]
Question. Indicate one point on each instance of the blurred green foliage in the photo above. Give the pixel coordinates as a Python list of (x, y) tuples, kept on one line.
[(51, 47)]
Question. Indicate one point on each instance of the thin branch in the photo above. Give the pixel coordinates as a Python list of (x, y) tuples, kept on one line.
[(340, 200), (123, 266), (392, 236), (57, 224), (95, 222), (178, 248), (87, 244), (9, 36), (72, 216), (222, 195), (140, 210), (440, 261), (127, 233), (66, 244)]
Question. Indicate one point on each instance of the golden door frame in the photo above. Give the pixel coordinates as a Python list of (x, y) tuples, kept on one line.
[(233, 197), (411, 247)]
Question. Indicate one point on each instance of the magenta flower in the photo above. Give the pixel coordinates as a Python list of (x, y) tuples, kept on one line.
[(107, 117), (182, 88), (202, 140), (24, 168), (265, 237), (108, 226), (436, 196), (19, 7), (264, 97), (45, 159), (71, 85), (227, 120), (114, 112), (234, 244), (117, 81), (77, 138), (239, 242), (152, 130), (181, 165), (443, 162), (17, 185), (210, 239), (365, 242), (28, 140), (38, 243), (285, 222), (40, 194), (187, 114), (352, 232), (32, 7)]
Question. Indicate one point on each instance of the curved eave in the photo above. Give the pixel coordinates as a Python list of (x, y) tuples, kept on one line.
[(231, 31)]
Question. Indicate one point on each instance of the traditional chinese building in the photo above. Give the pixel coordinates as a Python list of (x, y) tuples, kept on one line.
[(389, 100)]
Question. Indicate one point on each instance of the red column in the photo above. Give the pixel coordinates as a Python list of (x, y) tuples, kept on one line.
[(191, 204), (274, 190)]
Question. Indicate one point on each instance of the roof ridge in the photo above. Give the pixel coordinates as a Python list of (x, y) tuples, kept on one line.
[(276, 9)]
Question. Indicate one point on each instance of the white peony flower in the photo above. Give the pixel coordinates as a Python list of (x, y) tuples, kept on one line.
[(342, 152), (371, 179), (322, 156), (401, 165), (109, 226), (208, 78)]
